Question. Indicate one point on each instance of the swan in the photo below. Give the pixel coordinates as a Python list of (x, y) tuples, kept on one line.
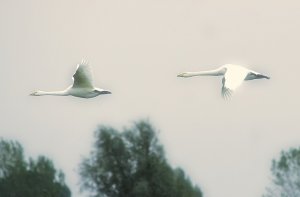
[(233, 76), (82, 87)]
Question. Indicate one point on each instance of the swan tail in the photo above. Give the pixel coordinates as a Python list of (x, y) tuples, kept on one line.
[(260, 76)]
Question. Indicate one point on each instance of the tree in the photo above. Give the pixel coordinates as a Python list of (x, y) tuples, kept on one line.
[(32, 178), (286, 175), (132, 163)]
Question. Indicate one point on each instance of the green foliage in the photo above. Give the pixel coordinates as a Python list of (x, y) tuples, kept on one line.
[(132, 163), (11, 158), (286, 175), (29, 179)]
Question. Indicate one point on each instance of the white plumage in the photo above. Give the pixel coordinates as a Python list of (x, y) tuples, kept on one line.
[(233, 77), (83, 85)]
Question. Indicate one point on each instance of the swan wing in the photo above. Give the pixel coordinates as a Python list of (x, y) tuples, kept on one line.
[(231, 81), (83, 76)]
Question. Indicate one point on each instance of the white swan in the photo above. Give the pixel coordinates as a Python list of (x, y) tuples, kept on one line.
[(233, 76), (82, 85)]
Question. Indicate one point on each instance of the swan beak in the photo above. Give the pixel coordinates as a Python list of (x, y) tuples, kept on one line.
[(180, 75)]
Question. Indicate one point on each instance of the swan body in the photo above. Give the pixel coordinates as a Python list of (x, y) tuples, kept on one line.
[(233, 77), (82, 87)]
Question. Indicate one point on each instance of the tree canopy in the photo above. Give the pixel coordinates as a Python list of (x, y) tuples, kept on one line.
[(286, 175), (132, 163), (30, 178)]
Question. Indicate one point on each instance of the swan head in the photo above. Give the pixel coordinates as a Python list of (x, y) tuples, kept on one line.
[(36, 93), (185, 74)]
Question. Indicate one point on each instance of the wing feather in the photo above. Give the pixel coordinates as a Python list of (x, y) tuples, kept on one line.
[(83, 78), (226, 93), (232, 79)]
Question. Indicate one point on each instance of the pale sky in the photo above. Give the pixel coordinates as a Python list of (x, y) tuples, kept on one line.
[(136, 48)]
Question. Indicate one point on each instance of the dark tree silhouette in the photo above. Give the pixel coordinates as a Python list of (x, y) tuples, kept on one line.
[(132, 163), (32, 178), (286, 175)]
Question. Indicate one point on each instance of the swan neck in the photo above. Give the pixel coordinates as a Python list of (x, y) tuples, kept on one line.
[(216, 72), (54, 93)]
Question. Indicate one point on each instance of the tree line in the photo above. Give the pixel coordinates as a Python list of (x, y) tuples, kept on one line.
[(127, 163)]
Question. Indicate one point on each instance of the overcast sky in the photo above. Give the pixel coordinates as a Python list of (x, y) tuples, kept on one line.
[(136, 48)]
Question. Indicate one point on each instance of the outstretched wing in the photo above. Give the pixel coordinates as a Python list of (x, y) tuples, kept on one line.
[(231, 81), (226, 92), (83, 76)]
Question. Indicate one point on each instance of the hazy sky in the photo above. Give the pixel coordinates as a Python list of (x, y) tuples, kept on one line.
[(136, 49)]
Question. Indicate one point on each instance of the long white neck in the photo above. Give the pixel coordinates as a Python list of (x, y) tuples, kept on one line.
[(53, 93), (215, 72)]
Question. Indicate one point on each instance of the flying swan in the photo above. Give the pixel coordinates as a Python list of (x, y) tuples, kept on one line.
[(82, 87), (233, 76)]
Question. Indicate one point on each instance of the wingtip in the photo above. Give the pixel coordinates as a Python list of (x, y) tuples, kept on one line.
[(84, 61), (226, 93)]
